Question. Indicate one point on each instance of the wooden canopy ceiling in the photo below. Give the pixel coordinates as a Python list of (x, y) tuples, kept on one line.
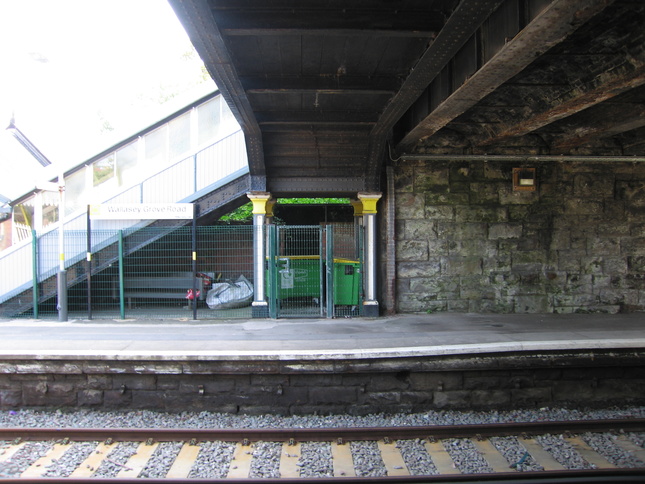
[(327, 91)]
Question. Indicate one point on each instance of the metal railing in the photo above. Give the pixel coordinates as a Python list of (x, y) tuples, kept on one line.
[(206, 170)]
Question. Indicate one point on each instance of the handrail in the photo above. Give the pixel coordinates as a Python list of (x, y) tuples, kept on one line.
[(177, 182)]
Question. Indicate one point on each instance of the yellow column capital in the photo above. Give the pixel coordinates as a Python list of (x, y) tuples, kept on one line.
[(369, 201), (260, 201)]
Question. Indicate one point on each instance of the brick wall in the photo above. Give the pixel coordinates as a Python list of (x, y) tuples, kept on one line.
[(466, 242)]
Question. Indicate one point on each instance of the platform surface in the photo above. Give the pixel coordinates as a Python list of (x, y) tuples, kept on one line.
[(289, 339)]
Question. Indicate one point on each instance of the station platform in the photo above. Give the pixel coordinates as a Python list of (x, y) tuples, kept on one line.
[(399, 336), (403, 363)]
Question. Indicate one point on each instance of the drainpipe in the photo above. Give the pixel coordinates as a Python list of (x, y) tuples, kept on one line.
[(524, 158)]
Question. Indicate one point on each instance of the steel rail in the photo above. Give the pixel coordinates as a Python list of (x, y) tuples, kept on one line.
[(600, 476), (342, 435), (328, 434)]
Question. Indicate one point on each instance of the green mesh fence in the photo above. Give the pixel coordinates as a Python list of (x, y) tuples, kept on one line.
[(317, 272), (148, 273)]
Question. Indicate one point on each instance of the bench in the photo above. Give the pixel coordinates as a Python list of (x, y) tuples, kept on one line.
[(174, 286)]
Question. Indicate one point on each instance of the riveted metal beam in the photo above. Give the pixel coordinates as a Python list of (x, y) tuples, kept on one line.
[(551, 26), (204, 33), (460, 26)]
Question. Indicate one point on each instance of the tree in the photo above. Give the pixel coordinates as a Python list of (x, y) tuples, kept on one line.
[(245, 212)]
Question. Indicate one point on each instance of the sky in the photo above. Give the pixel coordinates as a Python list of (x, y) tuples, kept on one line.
[(80, 75)]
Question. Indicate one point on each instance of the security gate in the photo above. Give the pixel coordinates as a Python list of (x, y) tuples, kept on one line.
[(314, 271)]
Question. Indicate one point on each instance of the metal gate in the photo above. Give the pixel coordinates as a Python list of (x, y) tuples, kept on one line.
[(314, 271)]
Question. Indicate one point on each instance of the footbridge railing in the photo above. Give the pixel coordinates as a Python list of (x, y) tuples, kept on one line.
[(34, 261)]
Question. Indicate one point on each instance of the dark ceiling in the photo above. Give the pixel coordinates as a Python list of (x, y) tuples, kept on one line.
[(328, 90)]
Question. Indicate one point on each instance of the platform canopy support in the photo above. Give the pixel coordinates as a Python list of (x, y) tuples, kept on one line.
[(262, 210), (370, 302)]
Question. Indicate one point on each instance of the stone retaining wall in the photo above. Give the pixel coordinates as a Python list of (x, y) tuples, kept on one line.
[(466, 242), (307, 387)]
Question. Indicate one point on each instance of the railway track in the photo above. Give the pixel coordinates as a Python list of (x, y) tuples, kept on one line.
[(572, 451)]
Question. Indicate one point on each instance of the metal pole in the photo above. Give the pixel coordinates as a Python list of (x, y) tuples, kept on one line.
[(322, 305), (329, 269), (260, 256), (370, 259), (34, 268), (194, 247), (524, 158), (62, 273), (89, 264), (121, 276), (272, 276)]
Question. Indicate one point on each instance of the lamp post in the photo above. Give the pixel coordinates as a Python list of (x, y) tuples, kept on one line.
[(54, 187)]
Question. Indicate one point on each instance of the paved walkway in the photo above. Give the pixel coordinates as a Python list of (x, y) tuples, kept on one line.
[(401, 335)]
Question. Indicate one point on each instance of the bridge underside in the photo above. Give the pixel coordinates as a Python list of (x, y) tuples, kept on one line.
[(328, 92)]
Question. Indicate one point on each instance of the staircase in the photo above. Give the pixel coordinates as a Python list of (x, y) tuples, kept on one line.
[(215, 177)]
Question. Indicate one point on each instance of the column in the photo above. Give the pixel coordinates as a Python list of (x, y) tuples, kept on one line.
[(370, 303), (261, 207)]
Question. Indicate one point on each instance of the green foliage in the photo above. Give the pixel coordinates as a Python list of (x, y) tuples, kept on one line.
[(241, 214), (312, 201), (245, 212)]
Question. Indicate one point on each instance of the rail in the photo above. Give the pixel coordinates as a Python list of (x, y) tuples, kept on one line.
[(237, 460)]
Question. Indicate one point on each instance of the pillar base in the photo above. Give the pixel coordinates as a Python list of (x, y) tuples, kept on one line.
[(370, 309), (260, 310)]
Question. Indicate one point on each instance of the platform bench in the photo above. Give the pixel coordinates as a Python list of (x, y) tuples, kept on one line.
[(154, 287)]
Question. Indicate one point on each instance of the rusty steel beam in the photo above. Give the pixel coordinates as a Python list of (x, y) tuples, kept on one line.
[(307, 184), (459, 27), (321, 32), (604, 122), (325, 91), (612, 84), (551, 26), (322, 82), (307, 18), (315, 117), (205, 35)]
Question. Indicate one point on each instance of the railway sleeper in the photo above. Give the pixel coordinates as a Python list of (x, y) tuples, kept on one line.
[(28, 459)]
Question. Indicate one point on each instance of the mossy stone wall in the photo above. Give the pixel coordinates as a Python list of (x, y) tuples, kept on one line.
[(467, 242)]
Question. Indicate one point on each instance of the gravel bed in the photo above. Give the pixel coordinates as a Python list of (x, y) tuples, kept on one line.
[(605, 445), (367, 459), (637, 437), (563, 452), (71, 459), (85, 418), (466, 456), (213, 461), (162, 460), (416, 458), (116, 460), (22, 459), (315, 460), (266, 459), (515, 453)]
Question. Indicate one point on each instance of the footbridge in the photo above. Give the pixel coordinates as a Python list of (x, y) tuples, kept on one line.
[(211, 172)]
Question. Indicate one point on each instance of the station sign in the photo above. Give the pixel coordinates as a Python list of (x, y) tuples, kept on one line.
[(141, 211)]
